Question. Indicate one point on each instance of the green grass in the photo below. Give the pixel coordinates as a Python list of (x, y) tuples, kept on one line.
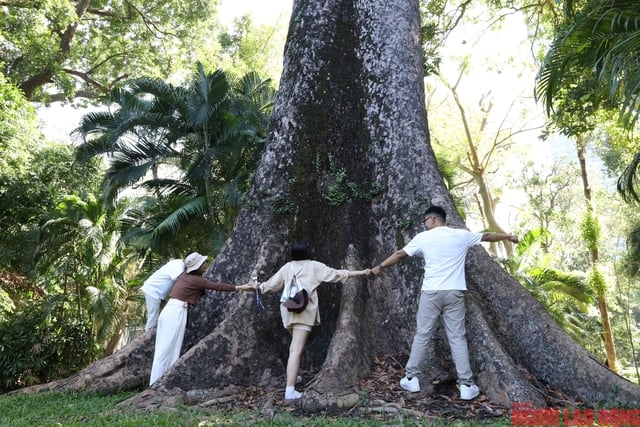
[(78, 409)]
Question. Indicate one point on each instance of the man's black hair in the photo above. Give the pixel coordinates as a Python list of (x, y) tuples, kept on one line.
[(438, 211), (300, 251)]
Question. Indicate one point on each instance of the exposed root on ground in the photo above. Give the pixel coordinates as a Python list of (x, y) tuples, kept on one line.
[(381, 397)]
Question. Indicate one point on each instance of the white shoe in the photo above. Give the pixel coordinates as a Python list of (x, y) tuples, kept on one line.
[(468, 392), (295, 394), (412, 385)]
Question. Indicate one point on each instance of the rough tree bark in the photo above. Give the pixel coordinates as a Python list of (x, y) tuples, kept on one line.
[(349, 168)]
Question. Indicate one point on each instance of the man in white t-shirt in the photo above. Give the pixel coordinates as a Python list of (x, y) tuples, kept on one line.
[(157, 287), (444, 250)]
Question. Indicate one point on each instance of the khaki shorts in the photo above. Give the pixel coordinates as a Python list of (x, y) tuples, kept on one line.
[(300, 326)]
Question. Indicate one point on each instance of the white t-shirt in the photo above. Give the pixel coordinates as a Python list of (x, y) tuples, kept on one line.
[(444, 251), (161, 281)]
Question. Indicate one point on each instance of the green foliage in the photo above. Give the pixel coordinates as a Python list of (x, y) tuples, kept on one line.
[(632, 259), (6, 304), (248, 47), (191, 150), (81, 255), (566, 296), (43, 341), (56, 50), (18, 124), (551, 193), (34, 175), (283, 205), (613, 144), (599, 38), (597, 281), (402, 224), (337, 191), (435, 26), (57, 240), (336, 188), (629, 180), (590, 230), (590, 68)]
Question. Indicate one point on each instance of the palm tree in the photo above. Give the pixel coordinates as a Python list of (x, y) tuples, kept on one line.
[(566, 296), (81, 255), (594, 61), (602, 38), (592, 66), (193, 150)]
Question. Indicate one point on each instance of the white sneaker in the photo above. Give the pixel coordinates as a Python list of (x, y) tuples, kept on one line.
[(468, 392), (295, 394), (412, 385)]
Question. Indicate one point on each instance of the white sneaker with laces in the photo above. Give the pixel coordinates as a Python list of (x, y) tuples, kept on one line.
[(468, 392), (292, 395), (410, 384)]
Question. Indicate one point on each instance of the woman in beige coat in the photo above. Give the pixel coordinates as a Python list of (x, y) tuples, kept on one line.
[(310, 275)]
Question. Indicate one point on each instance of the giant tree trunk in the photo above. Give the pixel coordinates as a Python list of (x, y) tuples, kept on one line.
[(349, 168)]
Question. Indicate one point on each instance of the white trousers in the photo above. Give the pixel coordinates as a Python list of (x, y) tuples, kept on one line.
[(169, 336), (153, 310)]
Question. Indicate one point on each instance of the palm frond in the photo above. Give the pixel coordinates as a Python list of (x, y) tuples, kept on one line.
[(629, 181), (172, 223), (604, 39)]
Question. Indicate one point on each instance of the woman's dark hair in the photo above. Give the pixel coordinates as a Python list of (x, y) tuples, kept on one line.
[(300, 251)]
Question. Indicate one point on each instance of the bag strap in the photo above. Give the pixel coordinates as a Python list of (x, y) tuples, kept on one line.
[(286, 290), (295, 281)]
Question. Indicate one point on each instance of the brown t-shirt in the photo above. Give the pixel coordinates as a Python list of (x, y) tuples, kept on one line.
[(189, 287)]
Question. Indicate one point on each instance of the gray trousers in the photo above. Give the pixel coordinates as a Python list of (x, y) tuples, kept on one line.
[(450, 305)]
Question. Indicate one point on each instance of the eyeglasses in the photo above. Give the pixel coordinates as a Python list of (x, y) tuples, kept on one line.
[(428, 218), (259, 302)]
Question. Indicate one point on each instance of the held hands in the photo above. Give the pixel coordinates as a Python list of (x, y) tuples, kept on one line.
[(251, 286), (366, 272)]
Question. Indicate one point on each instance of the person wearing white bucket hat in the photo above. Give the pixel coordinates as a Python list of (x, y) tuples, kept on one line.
[(172, 322), (194, 261)]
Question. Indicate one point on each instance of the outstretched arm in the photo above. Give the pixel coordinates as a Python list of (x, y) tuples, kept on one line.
[(395, 258), (359, 272), (497, 237), (251, 286)]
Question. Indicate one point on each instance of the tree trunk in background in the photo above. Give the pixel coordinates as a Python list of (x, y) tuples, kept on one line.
[(349, 168), (477, 168), (609, 344)]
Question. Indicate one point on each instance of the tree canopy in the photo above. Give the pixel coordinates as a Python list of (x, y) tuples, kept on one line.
[(63, 49), (190, 151)]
